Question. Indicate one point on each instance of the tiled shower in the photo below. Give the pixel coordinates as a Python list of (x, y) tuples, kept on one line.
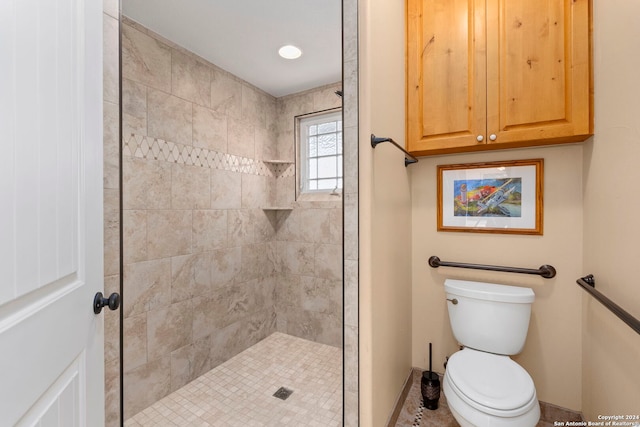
[(210, 268)]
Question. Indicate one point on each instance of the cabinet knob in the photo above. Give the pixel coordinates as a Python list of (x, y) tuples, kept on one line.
[(480, 138), (493, 137)]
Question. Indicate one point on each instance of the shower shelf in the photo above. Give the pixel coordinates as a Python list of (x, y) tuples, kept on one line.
[(279, 162), (277, 208)]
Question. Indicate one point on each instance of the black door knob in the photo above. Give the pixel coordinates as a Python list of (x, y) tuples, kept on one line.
[(99, 301)]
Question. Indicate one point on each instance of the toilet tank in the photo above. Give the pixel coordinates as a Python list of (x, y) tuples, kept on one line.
[(489, 317)]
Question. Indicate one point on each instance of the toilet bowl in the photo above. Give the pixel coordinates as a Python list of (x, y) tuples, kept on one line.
[(484, 389), (483, 386)]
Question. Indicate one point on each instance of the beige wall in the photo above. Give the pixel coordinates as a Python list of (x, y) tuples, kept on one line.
[(552, 352), (611, 350), (385, 220)]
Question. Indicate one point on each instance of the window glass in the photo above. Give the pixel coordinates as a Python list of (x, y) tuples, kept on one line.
[(320, 148)]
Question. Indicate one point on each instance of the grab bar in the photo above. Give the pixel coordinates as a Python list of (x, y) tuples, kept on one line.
[(588, 283), (546, 271), (376, 140)]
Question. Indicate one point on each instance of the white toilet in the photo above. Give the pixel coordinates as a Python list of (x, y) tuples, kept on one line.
[(483, 386)]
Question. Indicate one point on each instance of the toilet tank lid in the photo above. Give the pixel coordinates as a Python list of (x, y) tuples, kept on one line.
[(489, 291)]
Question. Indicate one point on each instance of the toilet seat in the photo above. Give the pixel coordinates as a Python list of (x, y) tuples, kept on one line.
[(491, 383)]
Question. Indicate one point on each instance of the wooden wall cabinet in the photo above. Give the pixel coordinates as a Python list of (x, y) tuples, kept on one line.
[(493, 74)]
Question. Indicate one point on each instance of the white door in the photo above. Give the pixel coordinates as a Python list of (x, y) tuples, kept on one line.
[(51, 343)]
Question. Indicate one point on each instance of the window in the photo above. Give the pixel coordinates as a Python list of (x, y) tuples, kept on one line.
[(320, 137)]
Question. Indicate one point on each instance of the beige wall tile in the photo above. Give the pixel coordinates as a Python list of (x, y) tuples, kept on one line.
[(206, 310), (145, 59), (288, 294), (226, 188), (285, 142), (111, 146), (134, 108), (226, 94), (209, 129), (351, 293), (350, 162), (190, 78), (190, 187), (111, 224), (257, 261), (240, 227), (169, 117), (189, 362), (328, 261), (314, 225), (253, 106), (296, 257), (350, 224), (134, 236), (326, 98), (257, 191), (111, 8), (321, 295), (112, 393), (240, 138), (265, 224), (146, 384), (209, 230), (183, 277), (135, 348), (285, 191), (168, 233), (110, 53), (147, 285), (146, 184), (111, 322), (228, 341), (265, 147), (217, 268), (335, 225), (168, 329)]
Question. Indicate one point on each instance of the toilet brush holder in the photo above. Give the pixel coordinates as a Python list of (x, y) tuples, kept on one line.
[(430, 388)]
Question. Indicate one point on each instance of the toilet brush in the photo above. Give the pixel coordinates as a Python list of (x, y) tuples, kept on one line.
[(430, 386)]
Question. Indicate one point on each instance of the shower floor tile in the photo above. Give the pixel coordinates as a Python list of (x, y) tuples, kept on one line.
[(240, 391)]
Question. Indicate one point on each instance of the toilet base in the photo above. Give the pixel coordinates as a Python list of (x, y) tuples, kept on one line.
[(468, 416)]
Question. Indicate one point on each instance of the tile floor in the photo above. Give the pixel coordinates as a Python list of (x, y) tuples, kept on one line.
[(240, 391)]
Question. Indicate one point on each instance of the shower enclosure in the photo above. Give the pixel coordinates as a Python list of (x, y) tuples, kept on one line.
[(232, 288)]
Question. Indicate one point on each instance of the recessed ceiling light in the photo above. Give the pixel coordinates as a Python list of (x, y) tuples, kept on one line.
[(290, 52)]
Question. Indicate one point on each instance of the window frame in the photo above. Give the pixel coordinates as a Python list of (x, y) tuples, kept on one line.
[(302, 157)]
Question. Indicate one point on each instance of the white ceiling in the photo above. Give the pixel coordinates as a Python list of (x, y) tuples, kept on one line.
[(243, 37)]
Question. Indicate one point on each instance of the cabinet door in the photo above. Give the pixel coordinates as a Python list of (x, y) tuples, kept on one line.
[(446, 75), (538, 71)]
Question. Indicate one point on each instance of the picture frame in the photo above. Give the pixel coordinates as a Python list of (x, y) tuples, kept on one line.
[(491, 197)]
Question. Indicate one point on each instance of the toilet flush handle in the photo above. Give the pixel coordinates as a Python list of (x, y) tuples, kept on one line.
[(454, 301)]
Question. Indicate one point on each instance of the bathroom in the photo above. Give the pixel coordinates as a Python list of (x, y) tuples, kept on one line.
[(400, 298)]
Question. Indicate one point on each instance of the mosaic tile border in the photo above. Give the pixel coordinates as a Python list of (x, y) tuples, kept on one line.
[(149, 148)]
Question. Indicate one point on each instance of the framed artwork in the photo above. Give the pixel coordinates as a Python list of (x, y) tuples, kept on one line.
[(495, 197)]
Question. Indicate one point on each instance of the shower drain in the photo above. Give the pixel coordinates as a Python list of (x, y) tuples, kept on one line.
[(283, 393)]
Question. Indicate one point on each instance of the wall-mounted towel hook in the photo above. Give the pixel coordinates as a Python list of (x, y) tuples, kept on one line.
[(408, 158)]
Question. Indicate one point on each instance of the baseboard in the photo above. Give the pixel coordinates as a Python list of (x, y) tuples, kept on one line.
[(393, 419)]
